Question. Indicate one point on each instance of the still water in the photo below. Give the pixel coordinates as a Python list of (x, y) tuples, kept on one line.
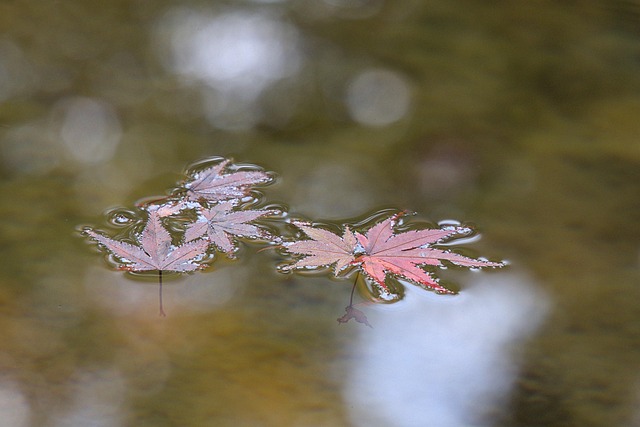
[(520, 118)]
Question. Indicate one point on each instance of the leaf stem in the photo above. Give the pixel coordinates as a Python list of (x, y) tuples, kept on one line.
[(160, 293), (353, 288)]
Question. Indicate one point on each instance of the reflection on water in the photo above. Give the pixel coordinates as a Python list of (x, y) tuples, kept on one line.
[(378, 98), (89, 129), (235, 54), (196, 293), (518, 116), (84, 130), (332, 190), (29, 149), (444, 363), (98, 399), (14, 407)]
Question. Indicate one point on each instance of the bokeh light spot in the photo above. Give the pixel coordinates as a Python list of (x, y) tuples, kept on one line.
[(378, 98), (89, 129)]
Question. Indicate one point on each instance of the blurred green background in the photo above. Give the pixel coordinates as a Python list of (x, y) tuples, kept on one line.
[(521, 117)]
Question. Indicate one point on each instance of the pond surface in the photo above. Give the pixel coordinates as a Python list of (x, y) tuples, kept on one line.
[(520, 118)]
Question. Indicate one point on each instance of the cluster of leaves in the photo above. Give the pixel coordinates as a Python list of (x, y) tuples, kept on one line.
[(221, 199), (218, 197)]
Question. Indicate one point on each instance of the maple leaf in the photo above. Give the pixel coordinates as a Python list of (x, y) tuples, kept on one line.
[(213, 184), (381, 252), (221, 225), (323, 249), (155, 251)]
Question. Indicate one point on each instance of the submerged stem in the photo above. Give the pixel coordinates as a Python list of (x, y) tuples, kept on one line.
[(351, 312), (353, 288), (160, 293)]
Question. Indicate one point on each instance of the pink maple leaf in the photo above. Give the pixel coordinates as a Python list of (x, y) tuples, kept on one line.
[(155, 251), (215, 184), (380, 252), (323, 248), (221, 225)]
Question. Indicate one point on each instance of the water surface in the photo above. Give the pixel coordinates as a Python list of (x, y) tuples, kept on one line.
[(518, 117)]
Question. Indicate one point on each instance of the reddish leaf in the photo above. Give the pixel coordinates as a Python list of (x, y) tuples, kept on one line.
[(380, 252), (214, 185), (221, 225), (155, 251)]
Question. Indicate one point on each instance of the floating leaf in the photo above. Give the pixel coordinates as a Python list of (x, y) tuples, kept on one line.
[(212, 207), (324, 248), (221, 225), (381, 252), (216, 184), (155, 251)]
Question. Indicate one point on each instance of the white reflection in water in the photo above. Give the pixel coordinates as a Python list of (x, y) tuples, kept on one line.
[(443, 361), (82, 130), (98, 400), (89, 129), (378, 98), (114, 292), (14, 408), (236, 54), (198, 292)]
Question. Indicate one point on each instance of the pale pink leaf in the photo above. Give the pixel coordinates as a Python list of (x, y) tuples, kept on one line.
[(155, 239), (196, 230), (186, 256), (214, 184), (222, 224), (155, 251), (126, 252), (323, 248)]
